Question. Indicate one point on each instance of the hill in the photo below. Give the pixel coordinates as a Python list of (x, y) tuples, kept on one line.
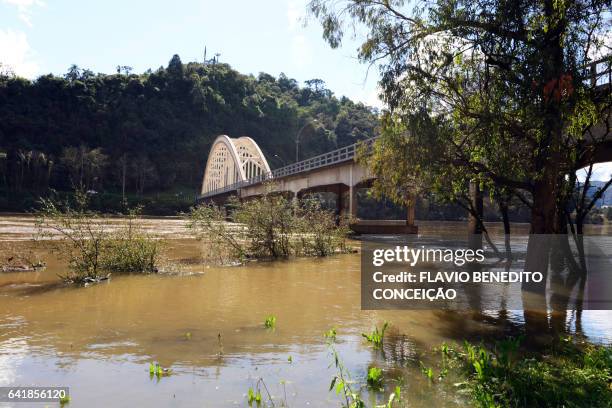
[(150, 133)]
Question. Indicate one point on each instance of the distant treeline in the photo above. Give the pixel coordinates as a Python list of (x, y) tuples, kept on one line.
[(151, 132)]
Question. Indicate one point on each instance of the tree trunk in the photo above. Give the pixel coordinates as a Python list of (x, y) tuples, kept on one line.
[(474, 220), (123, 175), (503, 209)]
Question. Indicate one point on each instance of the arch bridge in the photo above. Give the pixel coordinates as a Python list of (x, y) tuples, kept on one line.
[(237, 167)]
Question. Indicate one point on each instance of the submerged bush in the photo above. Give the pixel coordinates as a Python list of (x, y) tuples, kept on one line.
[(567, 375), (130, 250), (269, 222), (319, 234), (93, 245), (270, 226)]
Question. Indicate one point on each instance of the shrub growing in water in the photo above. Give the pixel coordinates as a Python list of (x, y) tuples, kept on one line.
[(269, 222), (319, 234), (92, 244), (269, 227), (129, 249)]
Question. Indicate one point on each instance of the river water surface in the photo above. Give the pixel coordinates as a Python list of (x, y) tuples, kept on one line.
[(205, 323)]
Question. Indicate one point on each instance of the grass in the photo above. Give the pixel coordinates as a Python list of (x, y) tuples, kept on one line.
[(567, 374)]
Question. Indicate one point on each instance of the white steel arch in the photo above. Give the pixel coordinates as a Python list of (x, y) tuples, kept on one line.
[(232, 160)]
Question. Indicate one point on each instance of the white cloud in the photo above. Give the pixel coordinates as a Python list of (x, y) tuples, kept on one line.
[(24, 8), (15, 52)]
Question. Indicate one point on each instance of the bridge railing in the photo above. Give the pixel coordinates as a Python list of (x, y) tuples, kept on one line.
[(599, 72), (330, 158)]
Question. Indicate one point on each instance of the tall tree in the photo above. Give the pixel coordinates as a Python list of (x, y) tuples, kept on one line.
[(487, 91), (503, 83)]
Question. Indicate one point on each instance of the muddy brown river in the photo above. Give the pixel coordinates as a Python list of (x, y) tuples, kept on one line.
[(205, 323)]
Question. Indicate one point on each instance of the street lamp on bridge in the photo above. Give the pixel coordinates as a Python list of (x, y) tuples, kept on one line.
[(297, 138)]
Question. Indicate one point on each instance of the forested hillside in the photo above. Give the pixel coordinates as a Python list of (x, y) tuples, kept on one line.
[(150, 133)]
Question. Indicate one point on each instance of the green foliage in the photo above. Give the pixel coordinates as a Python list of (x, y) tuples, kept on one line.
[(376, 337), (156, 370), (490, 92), (567, 374), (93, 244), (270, 322), (427, 371), (269, 224), (268, 227), (342, 383), (319, 234), (253, 397), (330, 335), (375, 378), (90, 130)]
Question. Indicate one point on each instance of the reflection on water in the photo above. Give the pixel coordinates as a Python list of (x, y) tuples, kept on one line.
[(99, 340)]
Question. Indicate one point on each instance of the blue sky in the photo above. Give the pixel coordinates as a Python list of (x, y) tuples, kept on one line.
[(41, 36)]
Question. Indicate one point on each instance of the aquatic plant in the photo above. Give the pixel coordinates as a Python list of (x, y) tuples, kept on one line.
[(253, 396), (342, 382), (330, 335), (376, 337), (394, 397), (270, 322), (158, 371), (427, 371), (375, 378)]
